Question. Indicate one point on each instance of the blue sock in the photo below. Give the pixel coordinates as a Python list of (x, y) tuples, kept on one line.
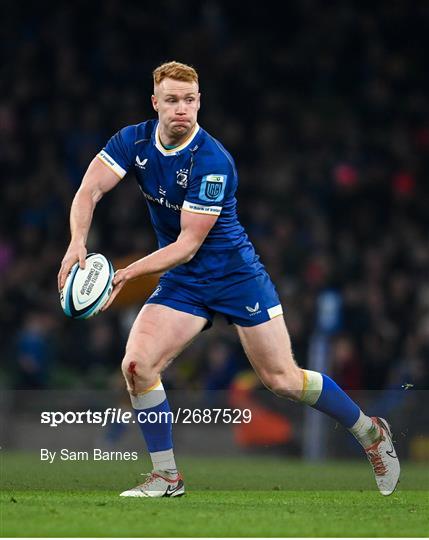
[(323, 394), (156, 427), (155, 420)]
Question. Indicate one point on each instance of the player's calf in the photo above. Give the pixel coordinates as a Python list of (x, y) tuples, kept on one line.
[(154, 417), (322, 393), (284, 384)]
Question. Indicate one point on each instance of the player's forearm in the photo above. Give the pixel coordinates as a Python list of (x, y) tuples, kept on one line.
[(81, 213), (162, 260)]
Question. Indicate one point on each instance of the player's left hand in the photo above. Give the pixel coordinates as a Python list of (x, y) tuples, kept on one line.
[(119, 280)]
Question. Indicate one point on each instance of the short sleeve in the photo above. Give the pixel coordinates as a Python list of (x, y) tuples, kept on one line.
[(117, 154)]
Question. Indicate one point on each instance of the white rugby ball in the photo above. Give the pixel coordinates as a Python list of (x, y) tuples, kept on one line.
[(87, 290)]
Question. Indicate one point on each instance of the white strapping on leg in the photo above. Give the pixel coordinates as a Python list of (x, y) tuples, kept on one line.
[(150, 398), (365, 431), (312, 387)]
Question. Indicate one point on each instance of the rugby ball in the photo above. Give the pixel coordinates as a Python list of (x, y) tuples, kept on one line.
[(87, 290)]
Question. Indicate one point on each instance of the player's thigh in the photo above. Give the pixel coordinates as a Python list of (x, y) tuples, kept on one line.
[(268, 348), (159, 334)]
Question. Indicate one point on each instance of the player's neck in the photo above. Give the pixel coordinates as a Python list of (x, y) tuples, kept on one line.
[(169, 146)]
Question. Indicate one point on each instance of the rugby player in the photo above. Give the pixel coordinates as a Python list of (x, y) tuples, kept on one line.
[(209, 267)]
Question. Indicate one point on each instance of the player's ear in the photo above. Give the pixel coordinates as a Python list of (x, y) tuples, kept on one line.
[(154, 103), (199, 101)]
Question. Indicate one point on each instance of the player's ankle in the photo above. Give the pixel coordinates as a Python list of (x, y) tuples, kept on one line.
[(164, 460), (171, 474), (366, 430)]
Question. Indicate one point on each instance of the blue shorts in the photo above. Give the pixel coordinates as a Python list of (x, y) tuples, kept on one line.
[(246, 298)]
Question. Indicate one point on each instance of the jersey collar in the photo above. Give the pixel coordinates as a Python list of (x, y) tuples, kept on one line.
[(177, 149)]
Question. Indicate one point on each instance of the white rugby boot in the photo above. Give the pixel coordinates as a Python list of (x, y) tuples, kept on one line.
[(383, 458), (158, 484)]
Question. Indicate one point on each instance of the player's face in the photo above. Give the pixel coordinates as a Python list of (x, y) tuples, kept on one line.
[(177, 104)]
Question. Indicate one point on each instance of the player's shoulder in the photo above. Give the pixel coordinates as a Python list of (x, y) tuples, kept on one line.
[(136, 133), (211, 153)]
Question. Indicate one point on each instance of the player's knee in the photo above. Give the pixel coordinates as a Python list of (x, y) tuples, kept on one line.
[(139, 373)]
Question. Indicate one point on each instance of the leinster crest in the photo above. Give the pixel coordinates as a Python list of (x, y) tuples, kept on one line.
[(182, 177)]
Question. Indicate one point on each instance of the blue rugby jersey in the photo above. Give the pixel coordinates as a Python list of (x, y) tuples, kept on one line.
[(198, 176)]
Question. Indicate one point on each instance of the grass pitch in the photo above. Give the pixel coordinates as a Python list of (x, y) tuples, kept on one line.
[(225, 498)]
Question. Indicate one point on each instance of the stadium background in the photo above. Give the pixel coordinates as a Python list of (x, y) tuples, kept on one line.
[(326, 113)]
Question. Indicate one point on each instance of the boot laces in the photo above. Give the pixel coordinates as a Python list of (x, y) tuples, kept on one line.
[(377, 463), (150, 476)]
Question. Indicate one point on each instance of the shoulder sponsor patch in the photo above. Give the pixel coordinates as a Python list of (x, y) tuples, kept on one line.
[(213, 187)]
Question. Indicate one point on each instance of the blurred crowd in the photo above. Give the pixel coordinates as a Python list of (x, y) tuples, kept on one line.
[(325, 111)]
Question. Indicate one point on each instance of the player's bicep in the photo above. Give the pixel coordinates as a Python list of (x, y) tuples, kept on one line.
[(195, 227), (99, 179)]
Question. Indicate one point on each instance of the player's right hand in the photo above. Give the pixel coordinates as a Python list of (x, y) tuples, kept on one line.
[(119, 280), (75, 252)]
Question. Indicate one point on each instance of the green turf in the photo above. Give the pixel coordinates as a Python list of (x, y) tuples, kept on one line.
[(226, 497)]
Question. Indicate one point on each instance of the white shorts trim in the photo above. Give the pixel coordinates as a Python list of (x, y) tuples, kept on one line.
[(275, 311)]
